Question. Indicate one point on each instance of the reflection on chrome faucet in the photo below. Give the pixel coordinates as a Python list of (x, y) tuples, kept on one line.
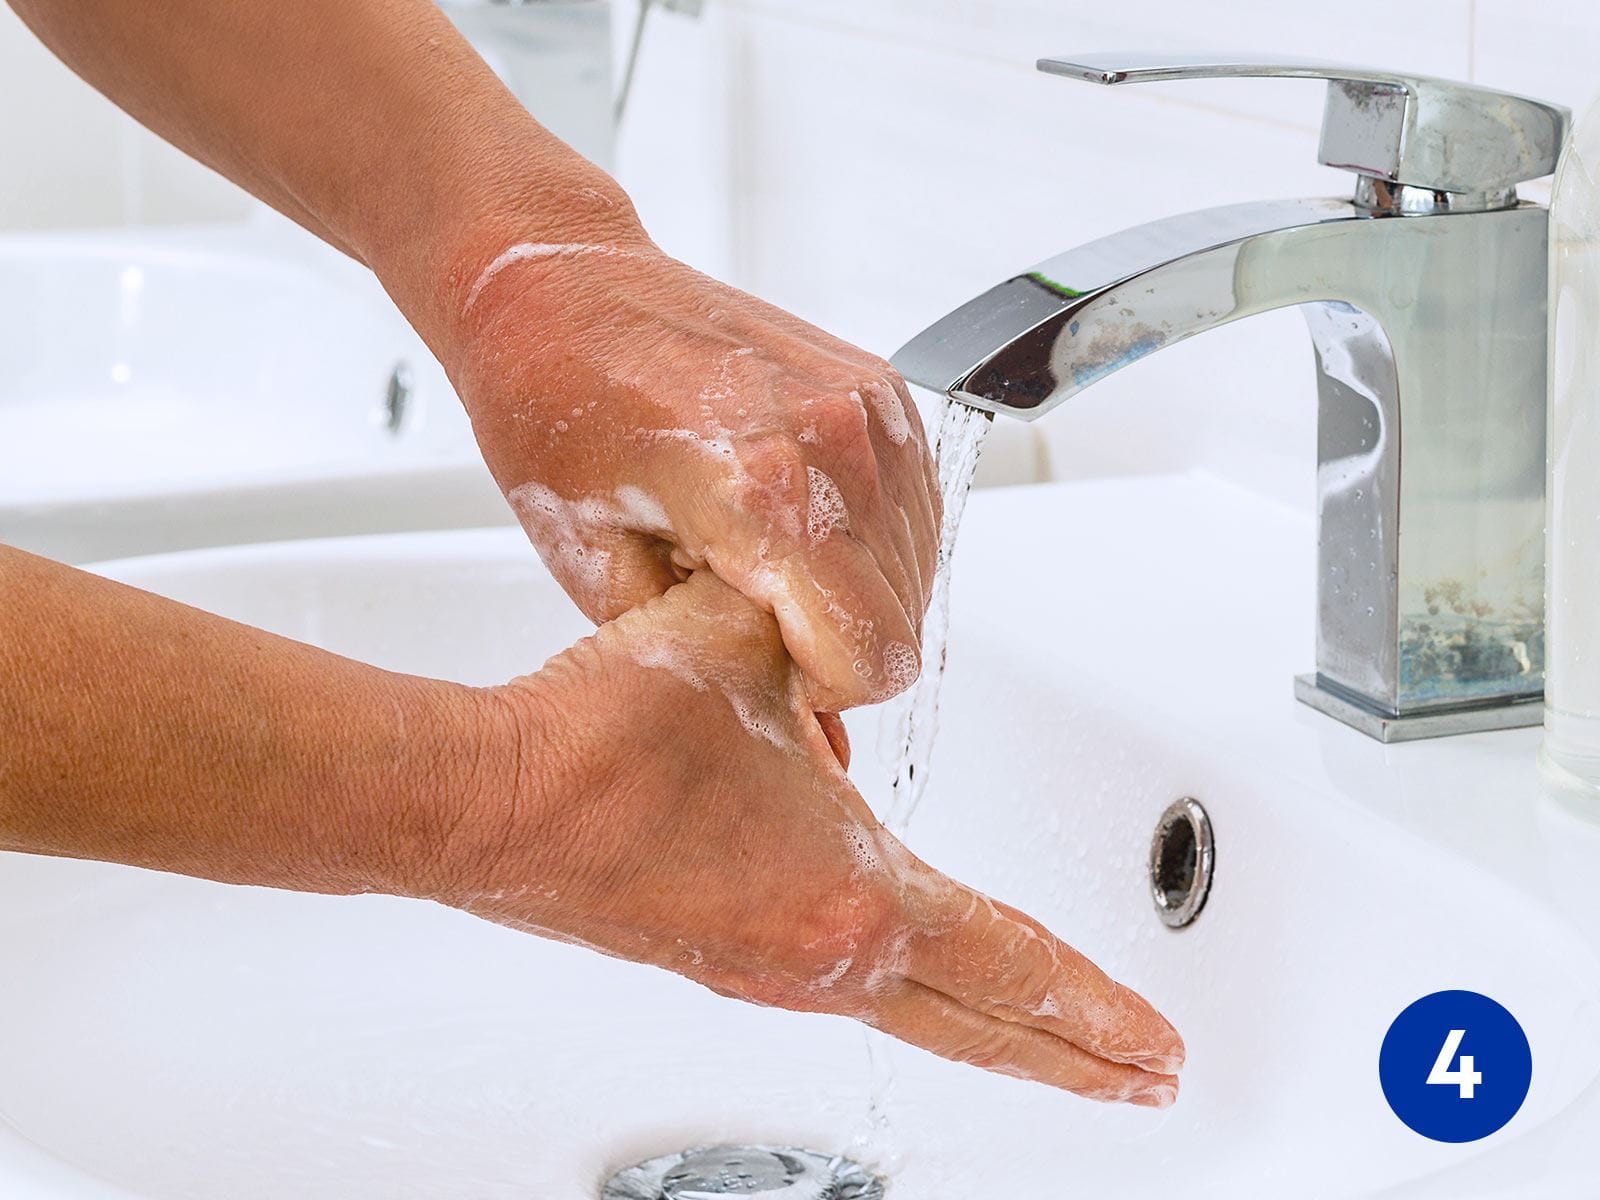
[(1425, 298)]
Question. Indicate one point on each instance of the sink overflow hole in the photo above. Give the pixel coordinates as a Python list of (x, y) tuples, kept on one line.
[(397, 396), (1182, 855)]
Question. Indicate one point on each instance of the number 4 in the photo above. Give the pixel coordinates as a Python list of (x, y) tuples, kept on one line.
[(1466, 1078)]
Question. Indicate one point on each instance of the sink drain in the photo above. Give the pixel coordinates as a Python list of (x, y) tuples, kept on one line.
[(750, 1171), (1182, 855)]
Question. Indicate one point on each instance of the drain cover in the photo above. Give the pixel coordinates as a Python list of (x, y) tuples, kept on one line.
[(750, 1171)]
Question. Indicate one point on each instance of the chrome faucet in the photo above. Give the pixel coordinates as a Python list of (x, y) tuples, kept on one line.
[(1426, 299)]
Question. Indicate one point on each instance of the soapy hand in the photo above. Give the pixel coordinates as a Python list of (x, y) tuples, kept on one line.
[(646, 421), (688, 810)]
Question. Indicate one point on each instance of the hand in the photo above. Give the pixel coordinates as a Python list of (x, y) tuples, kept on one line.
[(695, 817), (646, 421)]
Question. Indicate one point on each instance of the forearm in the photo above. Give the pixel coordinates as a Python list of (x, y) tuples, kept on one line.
[(371, 122), (137, 730)]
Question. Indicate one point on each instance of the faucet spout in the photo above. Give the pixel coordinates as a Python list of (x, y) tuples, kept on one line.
[(1027, 344), (1430, 326)]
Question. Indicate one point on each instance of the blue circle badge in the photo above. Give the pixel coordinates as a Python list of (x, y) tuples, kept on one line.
[(1455, 1066)]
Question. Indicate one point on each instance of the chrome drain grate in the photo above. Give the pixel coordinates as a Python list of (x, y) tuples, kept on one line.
[(750, 1171)]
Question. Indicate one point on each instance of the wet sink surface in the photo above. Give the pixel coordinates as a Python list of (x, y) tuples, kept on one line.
[(169, 1038)]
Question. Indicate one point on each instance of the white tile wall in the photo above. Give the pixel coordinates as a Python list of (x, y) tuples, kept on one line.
[(68, 158), (1550, 48), (893, 157), (1426, 35), (881, 182), (674, 143), (871, 163)]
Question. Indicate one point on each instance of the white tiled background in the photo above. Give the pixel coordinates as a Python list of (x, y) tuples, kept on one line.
[(871, 163)]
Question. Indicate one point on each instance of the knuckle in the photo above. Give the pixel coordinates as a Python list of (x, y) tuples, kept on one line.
[(893, 381), (774, 481), (840, 415), (774, 461), (1032, 989)]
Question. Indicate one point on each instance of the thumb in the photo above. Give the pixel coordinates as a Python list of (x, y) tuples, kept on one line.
[(610, 571)]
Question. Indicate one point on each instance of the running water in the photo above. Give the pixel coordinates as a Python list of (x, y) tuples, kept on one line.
[(957, 446)]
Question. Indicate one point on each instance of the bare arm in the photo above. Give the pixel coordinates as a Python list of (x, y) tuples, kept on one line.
[(137, 730), (661, 792), (370, 122), (643, 420), (647, 423)]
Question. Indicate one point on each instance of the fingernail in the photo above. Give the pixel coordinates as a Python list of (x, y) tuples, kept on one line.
[(1163, 1095)]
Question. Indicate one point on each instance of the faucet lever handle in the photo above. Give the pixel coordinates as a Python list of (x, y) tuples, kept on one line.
[(1407, 129)]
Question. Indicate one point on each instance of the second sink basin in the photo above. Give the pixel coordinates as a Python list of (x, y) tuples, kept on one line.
[(164, 390)]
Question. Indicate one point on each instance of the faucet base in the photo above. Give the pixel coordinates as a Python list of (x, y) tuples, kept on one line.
[(1439, 722)]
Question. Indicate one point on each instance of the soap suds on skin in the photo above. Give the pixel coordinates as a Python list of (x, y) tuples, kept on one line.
[(826, 511), (863, 847), (900, 665), (527, 250), (642, 510), (717, 443), (567, 533), (560, 529), (891, 413), (824, 982), (758, 713), (574, 535)]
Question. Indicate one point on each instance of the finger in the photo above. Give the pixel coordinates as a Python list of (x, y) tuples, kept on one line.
[(908, 470), (850, 488), (611, 571), (931, 500), (892, 515), (885, 539), (605, 566), (838, 737), (781, 535), (897, 530), (841, 621), (938, 1023), (998, 960)]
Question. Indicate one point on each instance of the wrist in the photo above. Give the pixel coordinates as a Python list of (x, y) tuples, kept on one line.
[(477, 796), (439, 281)]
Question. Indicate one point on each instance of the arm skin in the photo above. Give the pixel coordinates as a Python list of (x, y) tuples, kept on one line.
[(370, 122), (660, 792), (137, 730), (643, 420)]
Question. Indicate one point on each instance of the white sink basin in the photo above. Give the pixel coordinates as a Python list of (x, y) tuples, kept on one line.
[(167, 390), (1116, 644)]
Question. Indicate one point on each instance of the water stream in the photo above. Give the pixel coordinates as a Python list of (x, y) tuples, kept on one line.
[(957, 446)]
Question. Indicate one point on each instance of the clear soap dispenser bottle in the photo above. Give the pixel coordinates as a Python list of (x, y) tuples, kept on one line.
[(1571, 754)]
